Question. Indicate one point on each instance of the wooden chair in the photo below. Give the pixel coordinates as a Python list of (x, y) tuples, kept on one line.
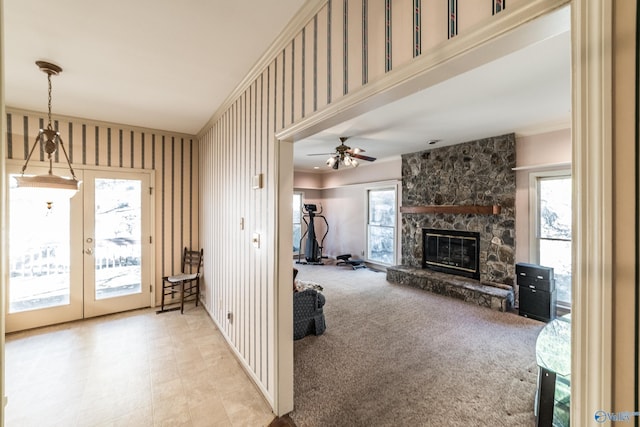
[(186, 284)]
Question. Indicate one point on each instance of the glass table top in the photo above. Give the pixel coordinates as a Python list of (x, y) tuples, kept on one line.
[(553, 346)]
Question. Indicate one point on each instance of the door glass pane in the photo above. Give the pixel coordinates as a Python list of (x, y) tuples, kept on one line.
[(39, 255), (118, 250), (381, 244), (382, 207), (381, 227)]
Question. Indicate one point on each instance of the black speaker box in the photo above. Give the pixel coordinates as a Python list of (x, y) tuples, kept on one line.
[(534, 271), (537, 290), (539, 305)]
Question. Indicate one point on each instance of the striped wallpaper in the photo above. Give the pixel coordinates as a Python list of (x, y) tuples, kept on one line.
[(174, 157), (346, 45)]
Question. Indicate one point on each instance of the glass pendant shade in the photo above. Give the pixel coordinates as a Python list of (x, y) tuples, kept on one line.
[(39, 184), (47, 196)]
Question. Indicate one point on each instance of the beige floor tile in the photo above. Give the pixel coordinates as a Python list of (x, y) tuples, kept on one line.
[(245, 407), (130, 369), (210, 412), (171, 390), (140, 417), (171, 413), (165, 372)]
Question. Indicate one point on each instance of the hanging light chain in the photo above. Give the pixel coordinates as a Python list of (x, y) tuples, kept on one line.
[(49, 81)]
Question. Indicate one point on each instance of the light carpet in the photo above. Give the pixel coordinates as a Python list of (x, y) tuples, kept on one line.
[(394, 355)]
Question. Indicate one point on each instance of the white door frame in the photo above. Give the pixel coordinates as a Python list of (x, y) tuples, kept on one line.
[(77, 236), (591, 22)]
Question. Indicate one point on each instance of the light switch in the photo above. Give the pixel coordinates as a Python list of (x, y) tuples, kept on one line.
[(257, 181)]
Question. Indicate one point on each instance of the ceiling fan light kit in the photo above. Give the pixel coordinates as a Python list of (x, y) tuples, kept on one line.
[(346, 155)]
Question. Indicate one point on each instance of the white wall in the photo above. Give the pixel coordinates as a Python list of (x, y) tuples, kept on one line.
[(343, 197), (381, 170), (3, 257), (534, 153)]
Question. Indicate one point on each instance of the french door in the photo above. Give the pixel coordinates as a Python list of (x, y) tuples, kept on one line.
[(79, 258)]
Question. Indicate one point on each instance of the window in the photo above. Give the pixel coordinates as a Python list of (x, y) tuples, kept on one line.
[(553, 229), (381, 225), (297, 221)]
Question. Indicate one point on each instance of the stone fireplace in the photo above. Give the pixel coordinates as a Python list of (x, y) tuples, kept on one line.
[(464, 189), (451, 251), (472, 173)]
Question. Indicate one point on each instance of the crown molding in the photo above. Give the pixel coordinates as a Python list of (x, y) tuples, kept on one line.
[(302, 18), (92, 122)]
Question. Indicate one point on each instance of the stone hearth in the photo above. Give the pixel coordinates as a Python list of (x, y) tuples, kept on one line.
[(493, 296)]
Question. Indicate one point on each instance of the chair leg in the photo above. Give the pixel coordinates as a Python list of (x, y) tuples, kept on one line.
[(197, 291), (181, 297)]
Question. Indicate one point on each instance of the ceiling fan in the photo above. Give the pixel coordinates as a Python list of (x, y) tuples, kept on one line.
[(346, 155)]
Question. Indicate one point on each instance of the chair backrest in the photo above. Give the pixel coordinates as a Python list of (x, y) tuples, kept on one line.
[(192, 261)]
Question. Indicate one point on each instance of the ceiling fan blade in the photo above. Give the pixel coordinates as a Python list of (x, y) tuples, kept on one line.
[(321, 154), (367, 158), (355, 150)]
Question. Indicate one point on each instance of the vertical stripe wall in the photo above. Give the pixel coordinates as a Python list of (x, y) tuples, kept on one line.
[(343, 46), (173, 157)]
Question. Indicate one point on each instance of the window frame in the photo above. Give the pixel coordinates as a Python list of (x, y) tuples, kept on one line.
[(534, 215), (396, 249)]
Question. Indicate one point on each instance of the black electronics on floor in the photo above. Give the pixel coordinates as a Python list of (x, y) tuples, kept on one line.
[(537, 291)]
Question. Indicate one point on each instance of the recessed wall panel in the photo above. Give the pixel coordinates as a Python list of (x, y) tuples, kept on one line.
[(402, 31), (287, 85), (434, 23), (336, 54), (322, 60), (278, 84), (102, 153), (354, 44), (376, 36), (298, 51), (471, 12), (309, 68)]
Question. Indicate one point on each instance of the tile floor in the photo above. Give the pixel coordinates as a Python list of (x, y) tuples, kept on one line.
[(129, 369)]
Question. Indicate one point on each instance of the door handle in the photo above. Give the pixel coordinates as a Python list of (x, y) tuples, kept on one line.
[(89, 251)]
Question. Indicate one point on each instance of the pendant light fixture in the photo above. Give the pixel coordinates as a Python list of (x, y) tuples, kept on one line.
[(50, 186)]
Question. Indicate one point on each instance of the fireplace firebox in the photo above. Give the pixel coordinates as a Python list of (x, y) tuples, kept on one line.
[(451, 251)]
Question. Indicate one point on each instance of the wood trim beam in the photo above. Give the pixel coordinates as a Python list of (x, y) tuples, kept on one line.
[(452, 209)]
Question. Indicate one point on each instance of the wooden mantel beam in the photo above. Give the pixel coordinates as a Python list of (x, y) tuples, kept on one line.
[(452, 209)]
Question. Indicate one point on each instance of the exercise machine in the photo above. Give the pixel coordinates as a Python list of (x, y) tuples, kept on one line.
[(346, 260), (312, 249)]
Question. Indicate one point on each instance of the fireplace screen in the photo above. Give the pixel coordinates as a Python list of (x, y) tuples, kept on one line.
[(451, 251)]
